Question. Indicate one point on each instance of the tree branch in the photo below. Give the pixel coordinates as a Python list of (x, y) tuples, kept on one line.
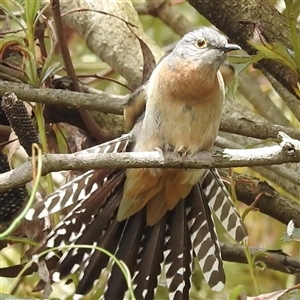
[(266, 199), (164, 10), (213, 159), (101, 101), (260, 100), (271, 173), (90, 123), (273, 260), (109, 103), (116, 44), (290, 100), (254, 129)]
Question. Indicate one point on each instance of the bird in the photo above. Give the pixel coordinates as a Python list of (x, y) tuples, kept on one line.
[(152, 218)]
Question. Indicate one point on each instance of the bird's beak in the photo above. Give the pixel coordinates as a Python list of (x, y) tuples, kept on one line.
[(230, 47)]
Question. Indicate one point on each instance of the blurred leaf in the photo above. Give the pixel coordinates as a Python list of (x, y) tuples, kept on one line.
[(50, 71), (294, 38), (297, 90), (256, 256), (241, 63), (12, 15), (265, 142), (9, 40), (148, 57), (21, 3), (276, 51), (238, 293), (244, 59), (61, 139), (30, 66), (13, 297), (149, 61), (31, 9), (274, 295), (50, 68), (292, 233)]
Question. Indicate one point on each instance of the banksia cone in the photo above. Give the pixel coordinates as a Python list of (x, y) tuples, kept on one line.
[(3, 119), (12, 200), (20, 121)]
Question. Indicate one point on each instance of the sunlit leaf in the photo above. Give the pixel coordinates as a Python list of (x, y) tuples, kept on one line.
[(276, 51)]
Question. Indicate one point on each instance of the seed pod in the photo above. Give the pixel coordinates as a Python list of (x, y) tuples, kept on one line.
[(20, 121), (12, 200), (3, 119)]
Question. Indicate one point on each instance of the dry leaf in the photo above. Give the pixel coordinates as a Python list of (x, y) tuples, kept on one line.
[(274, 295)]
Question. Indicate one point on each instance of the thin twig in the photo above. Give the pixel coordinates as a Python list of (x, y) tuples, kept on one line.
[(260, 100), (291, 101), (88, 120)]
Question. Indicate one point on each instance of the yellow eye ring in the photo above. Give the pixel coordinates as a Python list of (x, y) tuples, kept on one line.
[(201, 43)]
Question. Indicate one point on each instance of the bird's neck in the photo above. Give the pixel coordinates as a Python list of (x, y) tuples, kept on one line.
[(184, 80)]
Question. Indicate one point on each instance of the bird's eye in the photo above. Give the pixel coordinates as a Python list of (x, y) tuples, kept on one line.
[(201, 43)]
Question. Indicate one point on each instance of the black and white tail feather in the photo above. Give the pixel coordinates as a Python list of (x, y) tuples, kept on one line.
[(186, 232), (82, 187)]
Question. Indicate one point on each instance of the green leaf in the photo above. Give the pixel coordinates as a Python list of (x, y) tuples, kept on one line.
[(30, 66), (12, 14), (241, 63), (49, 71), (61, 139), (276, 51), (237, 292), (297, 90), (31, 9), (21, 3), (243, 59), (11, 38), (255, 257)]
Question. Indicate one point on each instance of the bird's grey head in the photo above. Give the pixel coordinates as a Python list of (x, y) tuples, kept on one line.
[(204, 46)]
